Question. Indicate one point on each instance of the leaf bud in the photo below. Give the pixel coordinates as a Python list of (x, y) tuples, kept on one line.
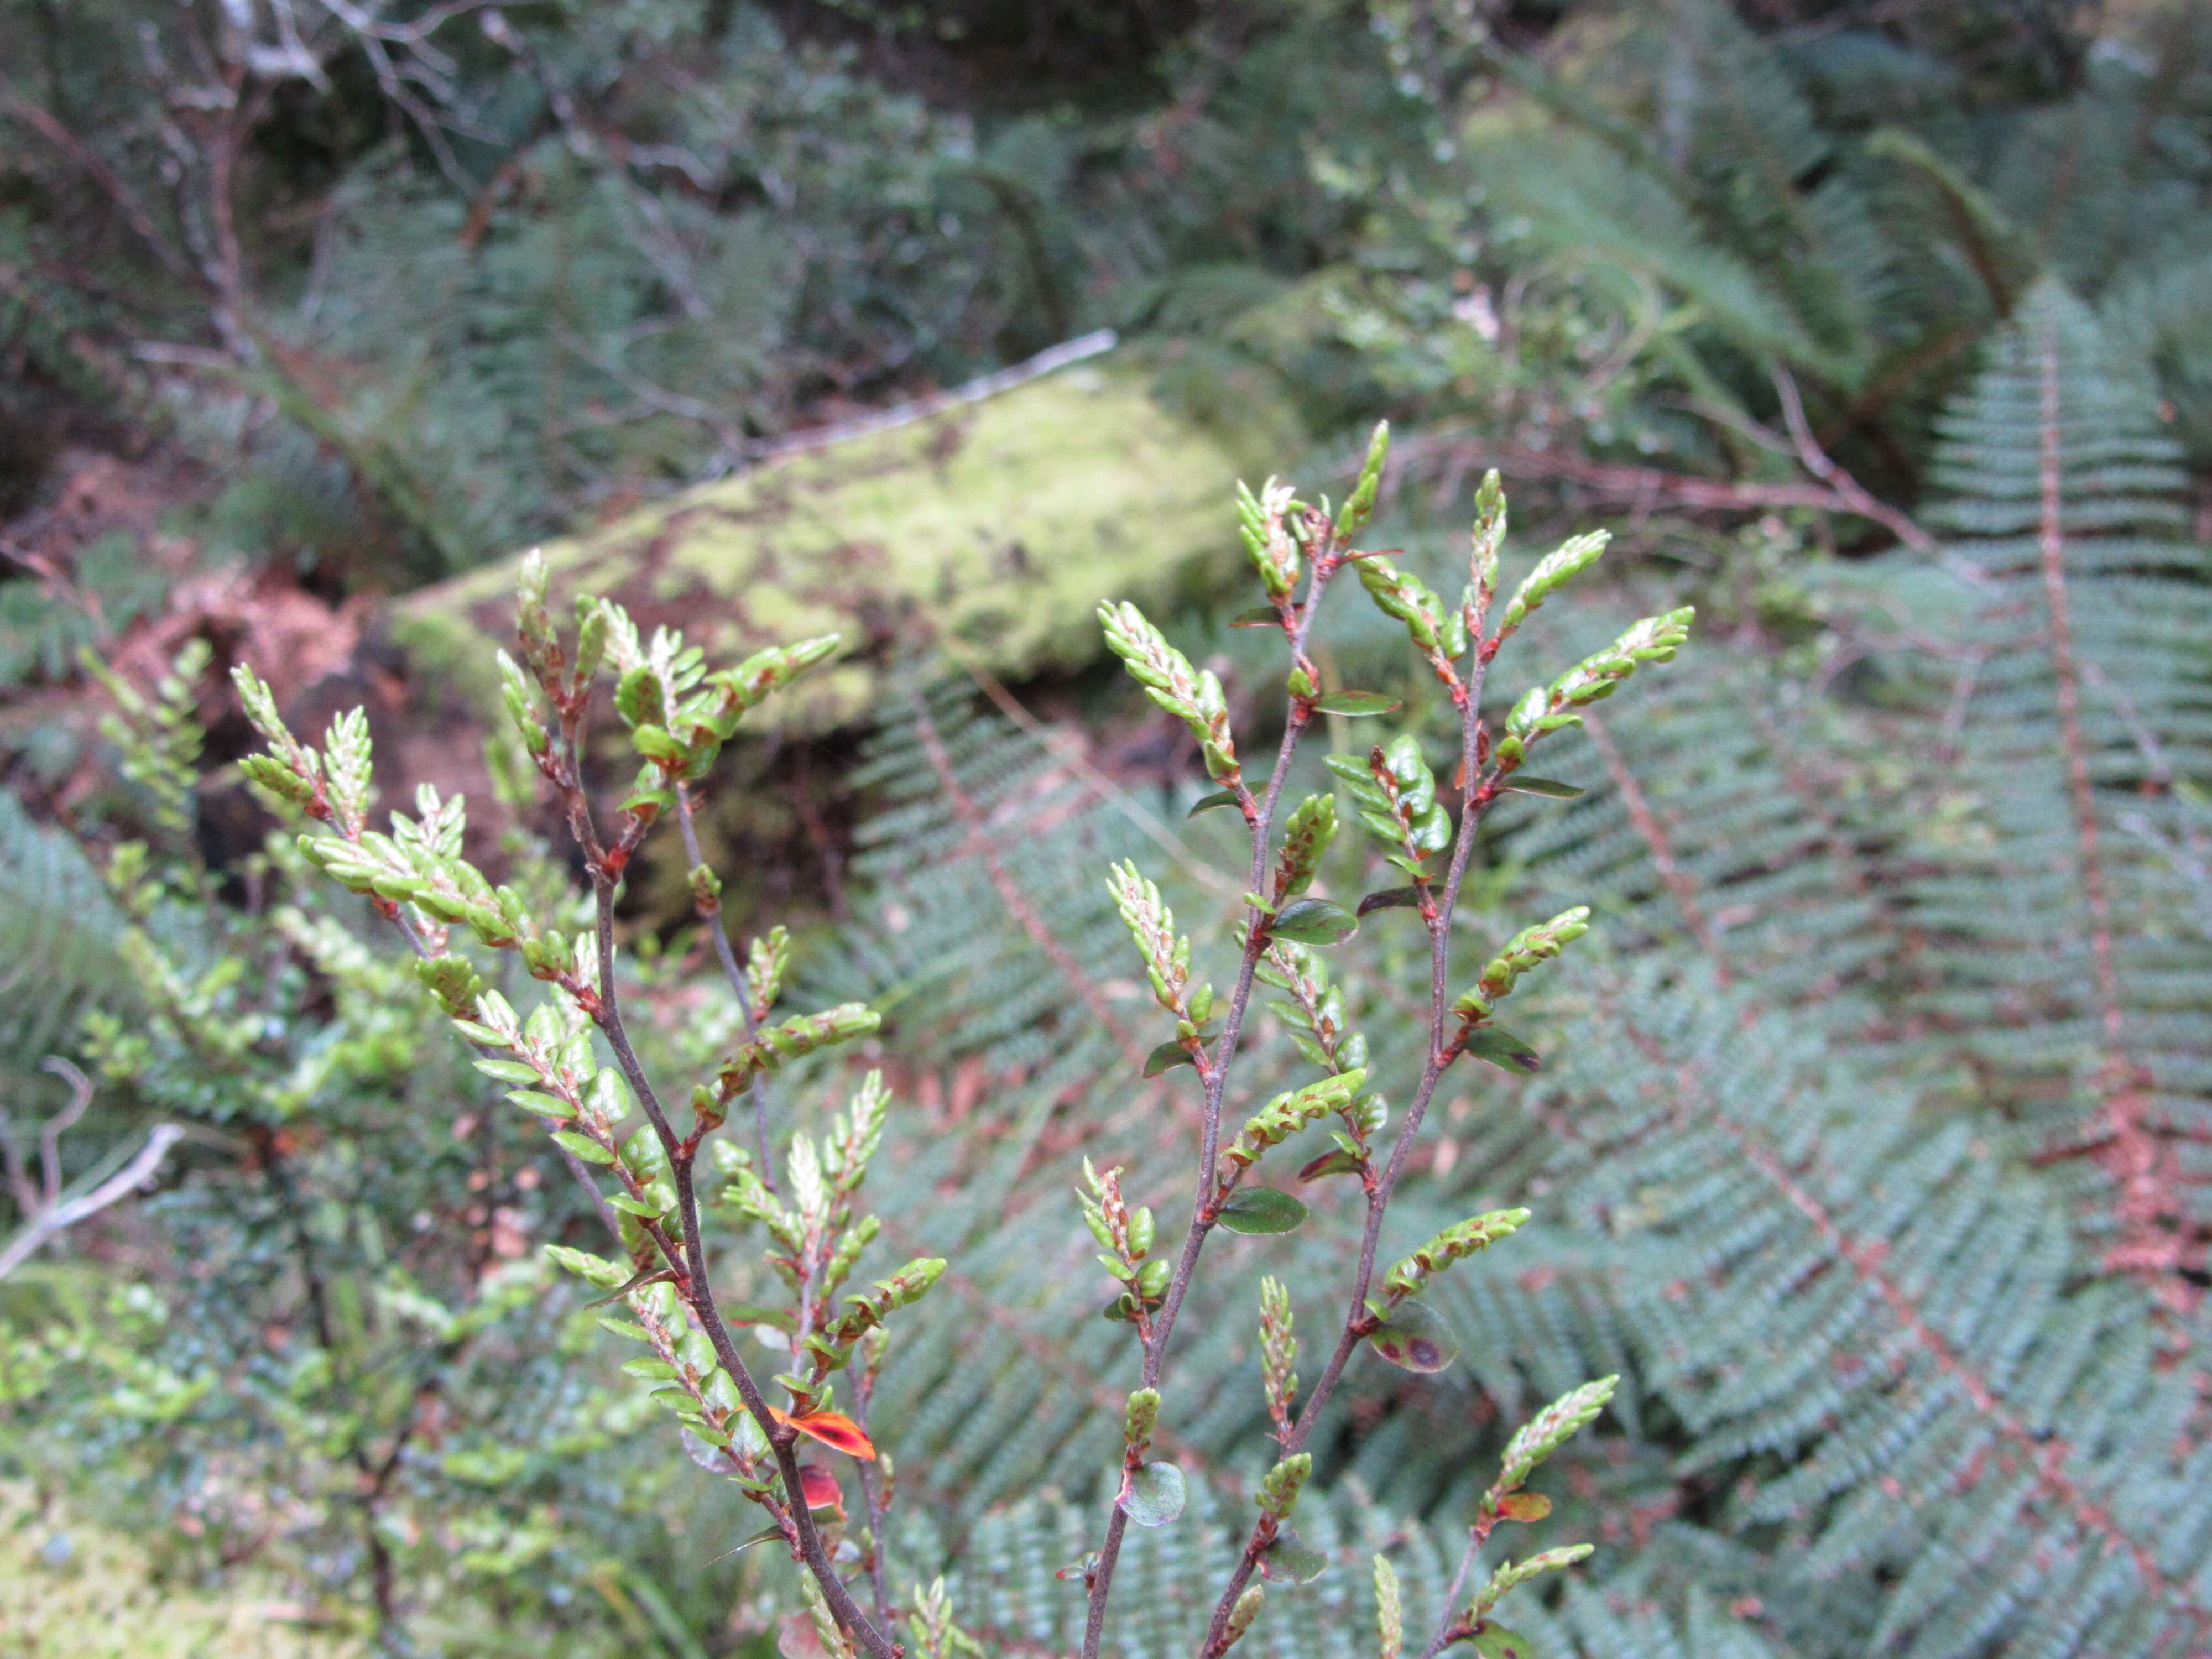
[(1359, 506), (1242, 1615), (1144, 1412), (1280, 1487)]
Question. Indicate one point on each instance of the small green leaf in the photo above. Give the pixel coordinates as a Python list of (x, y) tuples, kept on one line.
[(591, 1269), (1313, 921), (655, 744), (1166, 1058), (1155, 1495), (1416, 1338), (1503, 1050), (1496, 1642), (1208, 803), (1358, 702), (704, 1453), (1549, 788), (584, 1147), (1260, 615), (1289, 1560), (1262, 1210), (1546, 1432), (1392, 898)]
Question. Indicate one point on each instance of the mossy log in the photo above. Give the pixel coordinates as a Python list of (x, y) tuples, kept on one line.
[(999, 522)]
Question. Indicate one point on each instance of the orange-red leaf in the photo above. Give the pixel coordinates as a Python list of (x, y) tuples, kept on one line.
[(834, 1430), (1524, 1506), (822, 1490)]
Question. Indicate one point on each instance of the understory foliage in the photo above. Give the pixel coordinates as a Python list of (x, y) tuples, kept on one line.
[(1863, 1147), (1860, 1142), (1901, 1275), (567, 1060), (679, 716)]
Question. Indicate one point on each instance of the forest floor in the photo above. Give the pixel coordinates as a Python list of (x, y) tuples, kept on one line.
[(72, 1590)]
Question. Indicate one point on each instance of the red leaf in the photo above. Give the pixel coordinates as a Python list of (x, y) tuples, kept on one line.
[(834, 1430), (822, 1490)]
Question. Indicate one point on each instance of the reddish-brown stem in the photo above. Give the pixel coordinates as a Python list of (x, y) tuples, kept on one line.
[(1449, 1627), (2045, 1453), (697, 1290), (874, 1497), (1358, 1322), (2138, 1163), (728, 956), (700, 1294), (1205, 1205)]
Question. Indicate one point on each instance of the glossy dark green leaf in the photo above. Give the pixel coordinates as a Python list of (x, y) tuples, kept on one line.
[(1290, 1560), (1313, 921), (1503, 1050), (1496, 1642), (1262, 1210), (1166, 1058), (1392, 898), (1155, 1496), (1549, 787), (1416, 1338), (584, 1147), (1352, 768), (1358, 702)]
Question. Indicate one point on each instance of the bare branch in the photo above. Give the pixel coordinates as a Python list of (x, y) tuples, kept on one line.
[(58, 1218)]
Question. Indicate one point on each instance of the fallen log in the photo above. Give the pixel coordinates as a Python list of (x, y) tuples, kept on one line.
[(998, 515)]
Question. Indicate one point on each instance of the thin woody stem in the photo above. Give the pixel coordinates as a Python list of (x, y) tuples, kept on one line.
[(735, 975), (700, 1294), (875, 1498), (1448, 1626), (1206, 1206), (1358, 1322), (696, 1289)]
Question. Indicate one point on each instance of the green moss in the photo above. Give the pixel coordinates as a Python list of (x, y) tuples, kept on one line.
[(1000, 525), (69, 1589)]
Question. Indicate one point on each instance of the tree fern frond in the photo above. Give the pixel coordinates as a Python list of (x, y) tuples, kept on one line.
[(60, 938)]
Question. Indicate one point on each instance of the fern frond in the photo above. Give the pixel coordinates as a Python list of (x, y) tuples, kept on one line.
[(60, 940)]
